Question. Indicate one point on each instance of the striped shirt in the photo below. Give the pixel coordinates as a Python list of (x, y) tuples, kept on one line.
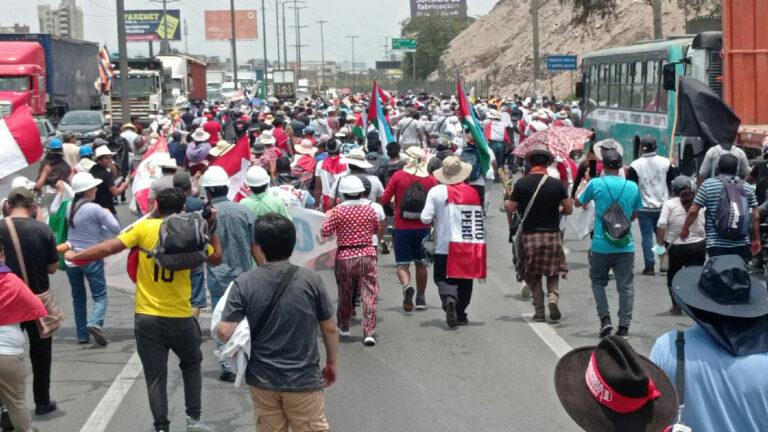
[(708, 196)]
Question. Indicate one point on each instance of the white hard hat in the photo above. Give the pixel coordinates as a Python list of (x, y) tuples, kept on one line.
[(351, 185), (84, 181), (214, 176), (22, 182), (256, 176)]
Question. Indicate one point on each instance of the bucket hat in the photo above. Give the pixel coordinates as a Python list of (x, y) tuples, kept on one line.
[(416, 162), (454, 171)]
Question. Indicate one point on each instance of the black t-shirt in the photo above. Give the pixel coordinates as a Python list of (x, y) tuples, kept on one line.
[(38, 246), (760, 175), (104, 197), (545, 213)]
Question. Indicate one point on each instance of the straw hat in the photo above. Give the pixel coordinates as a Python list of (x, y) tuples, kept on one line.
[(416, 162), (305, 147), (267, 138), (128, 126), (357, 158), (454, 171), (102, 151), (166, 162), (200, 135), (222, 147)]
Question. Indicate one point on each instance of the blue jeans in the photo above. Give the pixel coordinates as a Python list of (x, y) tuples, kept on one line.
[(497, 147), (94, 272), (648, 221), (623, 269), (198, 299)]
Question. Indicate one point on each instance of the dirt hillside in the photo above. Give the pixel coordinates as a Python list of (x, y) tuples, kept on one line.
[(498, 46)]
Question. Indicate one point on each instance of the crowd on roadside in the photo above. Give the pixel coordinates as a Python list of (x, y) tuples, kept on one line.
[(420, 194)]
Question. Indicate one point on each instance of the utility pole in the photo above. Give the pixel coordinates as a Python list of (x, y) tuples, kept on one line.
[(277, 33), (297, 20), (352, 38), (122, 46), (234, 43), (658, 32), (264, 38), (322, 53), (165, 46), (536, 61), (186, 37), (386, 48), (285, 41)]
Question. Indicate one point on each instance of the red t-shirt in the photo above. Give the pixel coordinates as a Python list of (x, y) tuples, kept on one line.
[(396, 187), (213, 128), (281, 139)]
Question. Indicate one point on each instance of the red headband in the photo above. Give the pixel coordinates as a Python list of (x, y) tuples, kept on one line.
[(610, 398)]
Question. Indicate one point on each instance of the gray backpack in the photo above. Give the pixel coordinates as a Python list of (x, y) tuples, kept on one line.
[(182, 243)]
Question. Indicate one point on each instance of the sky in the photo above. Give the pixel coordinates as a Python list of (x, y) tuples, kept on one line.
[(371, 20)]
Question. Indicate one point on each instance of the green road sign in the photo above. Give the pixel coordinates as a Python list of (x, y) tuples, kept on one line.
[(403, 44)]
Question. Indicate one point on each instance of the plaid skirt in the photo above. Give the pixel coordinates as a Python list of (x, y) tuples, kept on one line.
[(543, 254)]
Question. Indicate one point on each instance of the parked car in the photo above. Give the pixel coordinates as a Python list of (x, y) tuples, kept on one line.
[(45, 128), (86, 125), (227, 90)]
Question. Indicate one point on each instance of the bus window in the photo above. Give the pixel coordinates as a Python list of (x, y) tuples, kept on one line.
[(614, 95), (603, 92), (662, 93), (626, 86), (652, 86), (593, 83), (638, 85)]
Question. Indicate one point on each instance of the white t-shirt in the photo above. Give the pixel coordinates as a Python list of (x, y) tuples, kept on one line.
[(11, 340), (409, 129), (436, 210), (377, 189), (327, 179), (672, 218), (651, 172)]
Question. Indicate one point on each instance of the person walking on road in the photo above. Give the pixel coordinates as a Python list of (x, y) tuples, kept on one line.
[(459, 255), (40, 259), (712, 158), (262, 202), (327, 171), (285, 306), (653, 174), (724, 353), (408, 188), (617, 202), (740, 206), (234, 224), (163, 319), (541, 200), (107, 190), (87, 223), (355, 223)]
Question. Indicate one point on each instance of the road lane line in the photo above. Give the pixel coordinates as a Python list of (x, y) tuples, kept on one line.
[(103, 412), (550, 337)]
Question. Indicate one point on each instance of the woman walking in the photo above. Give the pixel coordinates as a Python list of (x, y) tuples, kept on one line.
[(682, 253), (88, 222)]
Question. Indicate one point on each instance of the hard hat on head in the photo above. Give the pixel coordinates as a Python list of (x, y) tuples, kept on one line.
[(351, 185), (256, 177), (84, 181), (214, 176)]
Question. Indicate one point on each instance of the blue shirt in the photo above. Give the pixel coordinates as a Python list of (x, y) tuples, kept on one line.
[(234, 225), (603, 191), (708, 197), (723, 393)]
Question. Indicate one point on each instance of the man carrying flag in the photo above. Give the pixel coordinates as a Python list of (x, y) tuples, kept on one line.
[(476, 152), (376, 116), (460, 249), (235, 159)]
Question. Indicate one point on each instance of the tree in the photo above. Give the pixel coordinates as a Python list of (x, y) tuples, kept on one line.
[(432, 34)]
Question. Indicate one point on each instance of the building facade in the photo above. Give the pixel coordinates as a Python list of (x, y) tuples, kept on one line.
[(15, 28), (66, 20)]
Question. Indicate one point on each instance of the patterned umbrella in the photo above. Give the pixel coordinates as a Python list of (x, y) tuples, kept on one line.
[(560, 140)]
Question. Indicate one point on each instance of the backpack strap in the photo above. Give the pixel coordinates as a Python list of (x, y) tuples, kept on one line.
[(680, 373)]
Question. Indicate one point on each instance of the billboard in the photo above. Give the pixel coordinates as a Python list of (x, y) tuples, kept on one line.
[(218, 25), (447, 8), (150, 24)]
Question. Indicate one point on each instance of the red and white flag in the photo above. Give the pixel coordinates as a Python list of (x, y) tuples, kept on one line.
[(467, 249), (147, 171), (20, 144), (236, 162)]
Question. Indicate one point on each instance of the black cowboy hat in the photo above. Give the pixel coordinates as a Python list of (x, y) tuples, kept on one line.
[(610, 388), (722, 286)]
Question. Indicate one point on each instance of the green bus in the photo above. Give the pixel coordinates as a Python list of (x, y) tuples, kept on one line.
[(623, 93)]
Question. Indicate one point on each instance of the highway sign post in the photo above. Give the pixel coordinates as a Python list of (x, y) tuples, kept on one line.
[(403, 44)]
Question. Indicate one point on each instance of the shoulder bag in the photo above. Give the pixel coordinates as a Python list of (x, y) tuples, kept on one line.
[(518, 257), (267, 314), (48, 324)]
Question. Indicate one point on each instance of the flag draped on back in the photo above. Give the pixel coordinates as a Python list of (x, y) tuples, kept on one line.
[(376, 116), (467, 249), (147, 171), (104, 83), (20, 144), (470, 122), (236, 162)]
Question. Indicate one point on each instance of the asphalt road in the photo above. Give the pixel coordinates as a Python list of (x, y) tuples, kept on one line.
[(493, 375)]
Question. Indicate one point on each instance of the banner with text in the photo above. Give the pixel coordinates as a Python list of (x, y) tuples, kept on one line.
[(218, 25), (447, 8), (150, 25)]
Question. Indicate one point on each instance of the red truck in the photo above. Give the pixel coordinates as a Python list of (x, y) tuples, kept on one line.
[(50, 74)]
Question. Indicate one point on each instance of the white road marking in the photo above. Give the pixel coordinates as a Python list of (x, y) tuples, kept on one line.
[(103, 412), (550, 337)]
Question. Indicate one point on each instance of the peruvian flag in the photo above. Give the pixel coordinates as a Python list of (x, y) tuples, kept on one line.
[(235, 162), (148, 171), (467, 250), (20, 144)]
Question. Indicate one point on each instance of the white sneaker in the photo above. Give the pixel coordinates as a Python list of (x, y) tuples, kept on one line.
[(369, 341), (343, 332), (525, 291)]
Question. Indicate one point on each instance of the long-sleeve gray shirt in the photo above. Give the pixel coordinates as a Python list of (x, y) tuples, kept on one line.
[(89, 228)]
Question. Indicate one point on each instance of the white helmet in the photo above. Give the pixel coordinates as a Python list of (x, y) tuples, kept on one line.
[(256, 176), (214, 176), (351, 185), (22, 182), (84, 181)]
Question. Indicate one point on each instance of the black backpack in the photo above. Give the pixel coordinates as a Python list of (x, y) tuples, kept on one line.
[(470, 156), (379, 168), (616, 225), (182, 243), (414, 200), (733, 213)]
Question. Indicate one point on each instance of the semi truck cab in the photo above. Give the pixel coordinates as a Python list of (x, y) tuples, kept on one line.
[(22, 77)]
